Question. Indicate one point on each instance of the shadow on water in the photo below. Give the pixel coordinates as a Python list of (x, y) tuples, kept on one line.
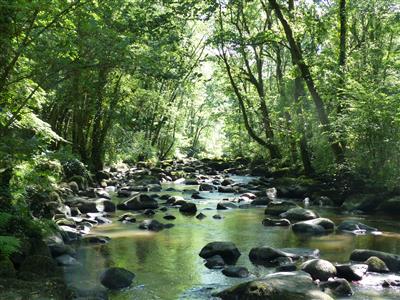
[(167, 265)]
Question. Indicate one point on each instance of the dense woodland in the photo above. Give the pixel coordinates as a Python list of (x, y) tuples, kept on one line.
[(311, 87)]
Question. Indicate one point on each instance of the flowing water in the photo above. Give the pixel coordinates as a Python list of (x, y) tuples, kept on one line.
[(167, 264)]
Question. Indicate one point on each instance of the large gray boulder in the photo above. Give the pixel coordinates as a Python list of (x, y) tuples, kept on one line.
[(227, 250), (315, 226), (319, 269), (279, 286), (392, 261), (299, 214), (139, 202)]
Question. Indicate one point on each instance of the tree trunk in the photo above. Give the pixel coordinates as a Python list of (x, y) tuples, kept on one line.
[(298, 59)]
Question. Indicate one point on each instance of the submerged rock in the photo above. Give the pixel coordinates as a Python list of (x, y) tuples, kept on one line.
[(279, 286), (275, 208), (275, 222), (227, 250), (233, 271), (315, 226), (355, 227), (188, 208), (152, 225), (215, 262), (116, 278), (339, 287), (351, 272)]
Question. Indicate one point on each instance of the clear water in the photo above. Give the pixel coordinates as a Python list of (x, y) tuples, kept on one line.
[(167, 265)]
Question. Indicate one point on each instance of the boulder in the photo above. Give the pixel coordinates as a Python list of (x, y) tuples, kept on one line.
[(215, 262), (206, 187), (375, 264), (355, 227), (127, 218), (152, 225), (319, 269), (271, 257), (116, 278), (201, 216), (279, 286), (275, 222), (139, 202), (217, 217), (351, 272), (275, 208), (227, 182), (299, 214), (233, 271), (227, 189), (223, 205), (227, 250), (339, 287), (105, 205), (261, 201), (315, 226), (169, 217), (188, 208), (392, 261), (66, 260)]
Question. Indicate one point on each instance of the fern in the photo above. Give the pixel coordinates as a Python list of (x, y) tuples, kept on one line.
[(8, 245)]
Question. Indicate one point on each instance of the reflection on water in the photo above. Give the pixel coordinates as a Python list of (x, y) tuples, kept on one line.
[(167, 265)]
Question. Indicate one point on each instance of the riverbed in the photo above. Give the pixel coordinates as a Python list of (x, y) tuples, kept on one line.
[(167, 264)]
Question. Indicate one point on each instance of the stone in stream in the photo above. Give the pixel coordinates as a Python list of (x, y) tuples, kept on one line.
[(269, 256), (127, 218), (275, 222), (279, 286), (319, 269), (116, 278), (314, 227), (152, 225), (299, 214), (355, 227), (223, 205), (149, 212), (66, 260), (392, 261), (124, 193), (188, 208), (339, 287), (227, 250), (215, 262), (351, 272), (197, 196), (206, 187), (261, 201), (227, 182), (95, 239), (234, 271), (201, 216), (139, 202), (169, 217), (375, 264), (275, 208), (217, 217), (227, 189)]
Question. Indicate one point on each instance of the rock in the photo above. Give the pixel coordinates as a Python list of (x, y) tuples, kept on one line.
[(339, 287), (173, 200), (39, 265), (149, 212), (95, 239), (188, 208), (105, 205), (375, 264), (315, 226), (355, 227), (275, 222), (275, 208), (319, 269), (124, 193), (152, 225), (223, 205), (74, 187), (279, 286), (299, 214), (390, 283), (66, 260), (351, 272), (217, 217), (197, 196), (191, 182), (116, 278), (127, 218), (227, 182), (270, 256), (215, 262), (227, 250), (102, 194), (201, 216), (206, 187), (233, 271), (169, 217), (362, 202), (60, 249), (139, 202), (227, 189), (261, 201), (154, 187)]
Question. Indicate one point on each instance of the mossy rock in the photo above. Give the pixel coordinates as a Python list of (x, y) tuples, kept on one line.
[(375, 264), (7, 269), (80, 180), (40, 265)]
